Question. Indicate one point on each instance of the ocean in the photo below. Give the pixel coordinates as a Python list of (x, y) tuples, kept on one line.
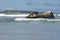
[(28, 30)]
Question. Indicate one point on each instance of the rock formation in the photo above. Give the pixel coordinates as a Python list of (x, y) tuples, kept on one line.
[(47, 14)]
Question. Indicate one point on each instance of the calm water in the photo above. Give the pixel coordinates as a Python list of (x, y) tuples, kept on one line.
[(29, 30)]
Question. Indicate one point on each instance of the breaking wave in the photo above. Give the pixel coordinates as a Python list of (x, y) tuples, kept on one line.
[(17, 18), (37, 19), (19, 15), (27, 20)]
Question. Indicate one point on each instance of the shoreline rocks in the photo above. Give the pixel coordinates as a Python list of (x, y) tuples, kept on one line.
[(46, 14)]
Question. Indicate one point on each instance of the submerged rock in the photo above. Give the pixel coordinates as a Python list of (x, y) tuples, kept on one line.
[(47, 14)]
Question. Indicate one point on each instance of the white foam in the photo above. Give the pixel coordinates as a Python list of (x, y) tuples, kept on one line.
[(58, 14), (37, 19), (2, 14), (24, 19), (16, 15), (21, 15), (54, 14)]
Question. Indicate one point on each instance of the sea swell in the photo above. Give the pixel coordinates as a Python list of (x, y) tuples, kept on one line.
[(8, 19), (4, 19), (20, 18)]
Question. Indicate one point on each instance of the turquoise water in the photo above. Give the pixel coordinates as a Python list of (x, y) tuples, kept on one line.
[(28, 30)]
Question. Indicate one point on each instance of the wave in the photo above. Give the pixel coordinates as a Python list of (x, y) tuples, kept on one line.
[(37, 19), (15, 15), (19, 15), (27, 19)]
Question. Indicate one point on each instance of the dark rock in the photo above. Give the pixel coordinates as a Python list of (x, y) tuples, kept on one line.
[(47, 14)]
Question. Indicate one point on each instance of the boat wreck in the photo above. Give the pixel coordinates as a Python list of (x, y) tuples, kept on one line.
[(47, 14)]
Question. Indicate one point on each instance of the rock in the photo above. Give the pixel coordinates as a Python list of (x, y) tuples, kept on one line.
[(47, 14)]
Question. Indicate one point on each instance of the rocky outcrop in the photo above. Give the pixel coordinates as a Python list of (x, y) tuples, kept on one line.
[(47, 14)]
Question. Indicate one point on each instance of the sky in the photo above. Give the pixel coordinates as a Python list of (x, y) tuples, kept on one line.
[(35, 5)]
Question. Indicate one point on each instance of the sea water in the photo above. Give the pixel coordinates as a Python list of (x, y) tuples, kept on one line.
[(28, 30)]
